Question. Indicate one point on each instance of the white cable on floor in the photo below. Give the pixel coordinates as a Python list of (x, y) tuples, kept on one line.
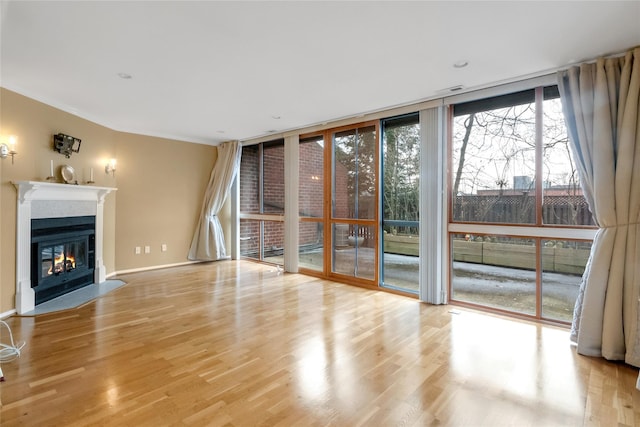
[(9, 352)]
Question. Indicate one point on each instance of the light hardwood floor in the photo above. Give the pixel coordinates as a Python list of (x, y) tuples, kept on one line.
[(237, 344)]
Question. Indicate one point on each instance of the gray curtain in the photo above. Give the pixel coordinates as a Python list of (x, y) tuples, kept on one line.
[(601, 108), (208, 241)]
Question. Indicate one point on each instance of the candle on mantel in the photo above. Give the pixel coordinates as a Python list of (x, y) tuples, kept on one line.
[(51, 169), (91, 174)]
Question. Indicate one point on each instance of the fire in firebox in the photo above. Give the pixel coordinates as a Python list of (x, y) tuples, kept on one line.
[(63, 263)]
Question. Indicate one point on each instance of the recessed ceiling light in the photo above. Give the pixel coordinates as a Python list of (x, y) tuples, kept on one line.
[(276, 117), (220, 131), (460, 64), (125, 76)]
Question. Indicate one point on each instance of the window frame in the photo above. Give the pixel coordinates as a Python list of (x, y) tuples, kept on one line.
[(303, 139), (538, 230), (260, 216), (412, 118)]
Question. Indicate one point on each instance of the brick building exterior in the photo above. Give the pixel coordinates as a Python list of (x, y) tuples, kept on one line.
[(311, 195)]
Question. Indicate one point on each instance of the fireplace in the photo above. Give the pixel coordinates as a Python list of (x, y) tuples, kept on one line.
[(62, 255), (73, 251)]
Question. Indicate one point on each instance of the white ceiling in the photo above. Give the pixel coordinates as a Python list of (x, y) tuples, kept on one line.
[(213, 71)]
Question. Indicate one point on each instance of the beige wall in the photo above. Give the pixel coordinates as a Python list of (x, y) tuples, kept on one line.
[(160, 185)]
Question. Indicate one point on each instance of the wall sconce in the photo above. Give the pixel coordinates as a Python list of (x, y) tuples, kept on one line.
[(9, 150), (110, 167)]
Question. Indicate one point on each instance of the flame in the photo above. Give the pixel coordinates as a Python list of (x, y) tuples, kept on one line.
[(62, 263)]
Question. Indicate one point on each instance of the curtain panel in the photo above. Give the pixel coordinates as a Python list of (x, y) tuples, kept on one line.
[(208, 242), (601, 108)]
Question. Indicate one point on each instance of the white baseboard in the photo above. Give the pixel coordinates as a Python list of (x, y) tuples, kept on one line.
[(154, 267), (7, 313)]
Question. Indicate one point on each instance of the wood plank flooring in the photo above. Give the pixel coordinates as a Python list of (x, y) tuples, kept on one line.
[(237, 344)]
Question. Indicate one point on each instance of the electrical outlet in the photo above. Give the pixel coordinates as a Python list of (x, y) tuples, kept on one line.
[(138, 250), (147, 249), (164, 247)]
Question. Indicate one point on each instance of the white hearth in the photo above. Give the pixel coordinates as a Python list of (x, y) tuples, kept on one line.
[(46, 200)]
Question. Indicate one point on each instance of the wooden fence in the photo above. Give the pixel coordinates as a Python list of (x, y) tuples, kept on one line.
[(558, 210), (554, 259)]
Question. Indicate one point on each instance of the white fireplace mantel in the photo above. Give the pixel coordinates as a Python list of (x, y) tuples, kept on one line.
[(48, 200)]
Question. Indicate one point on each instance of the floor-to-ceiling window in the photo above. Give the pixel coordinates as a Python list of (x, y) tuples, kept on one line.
[(400, 203), (353, 214), (262, 202), (519, 229), (343, 207), (338, 203), (311, 206), (517, 212)]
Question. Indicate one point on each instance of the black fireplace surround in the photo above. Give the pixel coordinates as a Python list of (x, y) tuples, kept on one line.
[(62, 255)]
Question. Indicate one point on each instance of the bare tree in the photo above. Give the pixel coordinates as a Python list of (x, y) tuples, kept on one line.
[(495, 176), (468, 125)]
